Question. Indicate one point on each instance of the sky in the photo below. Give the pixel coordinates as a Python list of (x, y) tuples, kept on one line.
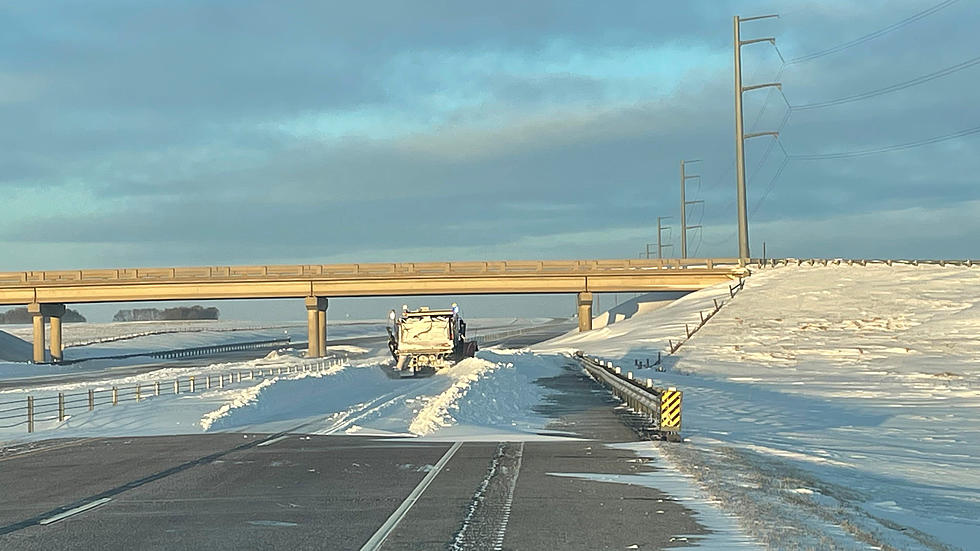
[(213, 132)]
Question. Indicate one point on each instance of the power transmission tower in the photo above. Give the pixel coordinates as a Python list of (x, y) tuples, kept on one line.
[(741, 136), (684, 203), (660, 232)]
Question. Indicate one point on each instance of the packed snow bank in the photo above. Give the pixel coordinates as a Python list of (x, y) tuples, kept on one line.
[(15, 349), (638, 305), (827, 397)]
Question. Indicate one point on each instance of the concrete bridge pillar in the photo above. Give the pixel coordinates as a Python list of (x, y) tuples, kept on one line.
[(53, 312), (316, 327), (38, 318), (585, 311)]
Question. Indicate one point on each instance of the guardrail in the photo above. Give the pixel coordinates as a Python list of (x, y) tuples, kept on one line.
[(31, 410), (196, 351), (503, 334), (661, 407), (347, 271)]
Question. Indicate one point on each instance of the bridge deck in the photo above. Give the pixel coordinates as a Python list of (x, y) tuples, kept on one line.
[(350, 280)]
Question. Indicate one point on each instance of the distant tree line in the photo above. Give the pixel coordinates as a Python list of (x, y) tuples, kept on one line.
[(178, 313), (21, 315)]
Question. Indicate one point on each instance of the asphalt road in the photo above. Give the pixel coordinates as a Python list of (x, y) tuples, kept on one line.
[(297, 491)]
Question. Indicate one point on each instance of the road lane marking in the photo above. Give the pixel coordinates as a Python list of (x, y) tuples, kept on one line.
[(502, 529), (382, 534), (75, 511), (273, 441)]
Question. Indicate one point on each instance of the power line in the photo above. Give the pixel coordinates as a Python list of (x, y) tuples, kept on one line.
[(873, 35), (893, 88), (885, 149)]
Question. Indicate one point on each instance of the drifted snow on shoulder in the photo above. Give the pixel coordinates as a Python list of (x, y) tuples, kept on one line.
[(826, 396), (435, 411)]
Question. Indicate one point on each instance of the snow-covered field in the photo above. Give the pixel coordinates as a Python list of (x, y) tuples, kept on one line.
[(827, 405)]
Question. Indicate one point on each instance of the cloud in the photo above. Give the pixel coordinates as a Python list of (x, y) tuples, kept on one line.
[(194, 132)]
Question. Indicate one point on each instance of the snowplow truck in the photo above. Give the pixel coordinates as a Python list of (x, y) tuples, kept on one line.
[(427, 340)]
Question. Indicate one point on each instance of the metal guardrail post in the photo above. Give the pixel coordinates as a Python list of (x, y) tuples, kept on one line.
[(176, 386), (30, 414), (61, 407), (115, 395), (138, 392), (91, 399), (156, 388), (221, 381), (207, 383), (192, 384)]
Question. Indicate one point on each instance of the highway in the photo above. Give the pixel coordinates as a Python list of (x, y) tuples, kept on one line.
[(301, 491), (378, 342)]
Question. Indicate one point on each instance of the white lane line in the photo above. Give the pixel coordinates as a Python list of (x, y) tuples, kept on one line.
[(273, 441), (379, 537), (75, 511), (502, 529)]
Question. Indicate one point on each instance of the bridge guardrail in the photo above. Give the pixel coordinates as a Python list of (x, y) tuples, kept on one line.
[(342, 271), (31, 410), (660, 406)]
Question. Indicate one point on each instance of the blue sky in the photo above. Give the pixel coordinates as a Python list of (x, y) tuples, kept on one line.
[(208, 133)]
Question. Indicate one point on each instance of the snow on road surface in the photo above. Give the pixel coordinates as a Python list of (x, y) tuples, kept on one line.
[(830, 407)]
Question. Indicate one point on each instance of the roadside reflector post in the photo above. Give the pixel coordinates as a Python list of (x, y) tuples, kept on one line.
[(670, 414), (61, 407), (91, 399), (115, 395), (629, 375), (156, 388), (176, 386), (30, 414)]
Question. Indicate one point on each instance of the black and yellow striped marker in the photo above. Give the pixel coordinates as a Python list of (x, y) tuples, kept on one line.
[(670, 410)]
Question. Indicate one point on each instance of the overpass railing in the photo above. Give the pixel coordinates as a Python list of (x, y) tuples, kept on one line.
[(374, 270)]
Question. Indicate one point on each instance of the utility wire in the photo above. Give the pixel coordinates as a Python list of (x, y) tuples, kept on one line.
[(885, 149), (873, 35), (893, 88)]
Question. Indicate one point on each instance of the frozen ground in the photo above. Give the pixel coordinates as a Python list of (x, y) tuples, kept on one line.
[(827, 405)]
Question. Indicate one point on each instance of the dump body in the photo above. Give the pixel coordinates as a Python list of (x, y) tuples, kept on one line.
[(427, 340)]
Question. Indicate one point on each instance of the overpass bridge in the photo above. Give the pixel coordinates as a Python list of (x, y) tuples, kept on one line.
[(45, 293)]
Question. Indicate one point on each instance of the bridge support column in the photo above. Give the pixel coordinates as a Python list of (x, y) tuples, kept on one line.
[(585, 311), (321, 315), (38, 313), (38, 318), (57, 352), (316, 326)]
